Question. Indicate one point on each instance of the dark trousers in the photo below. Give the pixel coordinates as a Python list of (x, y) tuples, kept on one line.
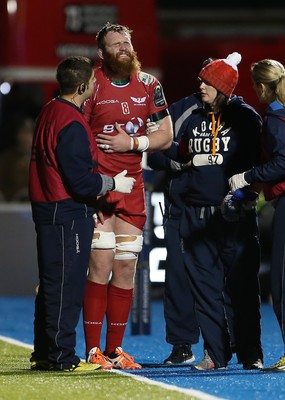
[(204, 233), (277, 274), (179, 313), (243, 289), (63, 258), (222, 260)]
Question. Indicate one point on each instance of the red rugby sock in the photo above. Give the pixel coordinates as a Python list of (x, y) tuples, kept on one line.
[(118, 310), (94, 309)]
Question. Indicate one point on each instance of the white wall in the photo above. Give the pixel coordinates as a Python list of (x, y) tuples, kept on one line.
[(18, 257)]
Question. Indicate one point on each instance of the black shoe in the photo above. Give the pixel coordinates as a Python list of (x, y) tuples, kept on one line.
[(257, 364), (180, 354)]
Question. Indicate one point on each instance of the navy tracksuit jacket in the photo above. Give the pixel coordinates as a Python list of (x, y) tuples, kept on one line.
[(61, 179), (271, 173)]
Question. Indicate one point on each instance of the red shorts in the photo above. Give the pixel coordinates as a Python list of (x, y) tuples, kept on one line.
[(129, 207)]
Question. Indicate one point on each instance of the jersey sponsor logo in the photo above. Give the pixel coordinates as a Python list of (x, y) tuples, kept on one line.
[(111, 101), (134, 125), (145, 78), (138, 101), (159, 99), (110, 128), (131, 127)]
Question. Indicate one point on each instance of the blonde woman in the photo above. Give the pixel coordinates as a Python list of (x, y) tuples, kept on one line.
[(269, 83)]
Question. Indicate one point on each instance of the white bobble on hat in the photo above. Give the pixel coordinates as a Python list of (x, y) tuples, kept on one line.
[(233, 59), (222, 73)]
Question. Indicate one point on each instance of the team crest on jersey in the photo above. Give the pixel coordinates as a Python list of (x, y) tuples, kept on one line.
[(138, 100), (145, 78)]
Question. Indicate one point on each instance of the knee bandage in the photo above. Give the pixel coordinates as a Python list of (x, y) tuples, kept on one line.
[(103, 240), (128, 247)]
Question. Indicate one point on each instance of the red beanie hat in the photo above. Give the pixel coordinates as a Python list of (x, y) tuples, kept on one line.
[(222, 74)]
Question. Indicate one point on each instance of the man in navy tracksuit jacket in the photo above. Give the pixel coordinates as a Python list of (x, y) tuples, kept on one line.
[(63, 190)]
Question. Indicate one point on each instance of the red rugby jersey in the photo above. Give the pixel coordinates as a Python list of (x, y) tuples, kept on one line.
[(129, 105)]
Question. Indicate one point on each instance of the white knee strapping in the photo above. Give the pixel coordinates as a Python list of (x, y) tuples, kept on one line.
[(103, 240), (128, 246)]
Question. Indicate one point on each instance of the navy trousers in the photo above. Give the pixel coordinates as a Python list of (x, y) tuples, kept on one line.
[(63, 258), (277, 273), (209, 244), (179, 313), (243, 289), (222, 260)]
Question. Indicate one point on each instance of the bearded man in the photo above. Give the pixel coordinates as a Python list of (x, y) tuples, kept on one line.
[(124, 100)]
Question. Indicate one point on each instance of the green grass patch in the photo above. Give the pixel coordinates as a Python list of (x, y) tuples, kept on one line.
[(18, 382)]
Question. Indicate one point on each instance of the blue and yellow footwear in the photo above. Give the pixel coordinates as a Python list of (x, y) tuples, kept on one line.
[(41, 365), (82, 367), (278, 367)]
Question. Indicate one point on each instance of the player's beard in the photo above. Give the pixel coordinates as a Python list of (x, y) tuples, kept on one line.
[(121, 67)]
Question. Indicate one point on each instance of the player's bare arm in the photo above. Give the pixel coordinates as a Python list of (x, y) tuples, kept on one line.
[(160, 139)]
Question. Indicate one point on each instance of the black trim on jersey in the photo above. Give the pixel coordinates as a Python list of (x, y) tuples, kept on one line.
[(159, 115)]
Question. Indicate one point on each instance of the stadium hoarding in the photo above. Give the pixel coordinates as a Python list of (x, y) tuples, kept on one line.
[(35, 36)]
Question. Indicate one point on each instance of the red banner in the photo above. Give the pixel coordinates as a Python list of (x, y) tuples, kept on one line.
[(36, 35)]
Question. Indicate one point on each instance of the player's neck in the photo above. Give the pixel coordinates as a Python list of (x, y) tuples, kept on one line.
[(120, 82), (117, 78)]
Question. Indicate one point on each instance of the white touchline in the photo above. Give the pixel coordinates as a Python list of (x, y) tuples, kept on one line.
[(16, 342), (190, 392)]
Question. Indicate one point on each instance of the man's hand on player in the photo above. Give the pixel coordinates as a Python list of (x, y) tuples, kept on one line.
[(123, 183), (98, 216), (120, 143)]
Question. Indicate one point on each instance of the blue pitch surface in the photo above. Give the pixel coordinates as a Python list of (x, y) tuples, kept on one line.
[(16, 321)]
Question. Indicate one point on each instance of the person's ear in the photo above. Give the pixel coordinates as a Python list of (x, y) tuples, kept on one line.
[(82, 88), (100, 54), (262, 87)]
